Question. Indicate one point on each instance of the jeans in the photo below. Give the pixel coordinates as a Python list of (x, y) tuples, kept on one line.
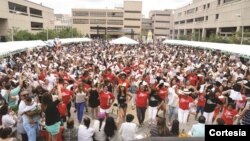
[(31, 130), (172, 111), (80, 111), (140, 114)]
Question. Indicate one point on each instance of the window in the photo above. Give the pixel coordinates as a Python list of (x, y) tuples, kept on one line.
[(196, 9), (206, 18), (204, 6), (115, 22), (130, 19), (226, 1), (162, 21), (182, 22), (162, 14), (208, 5), (13, 7), (80, 13), (190, 20), (36, 26), (132, 11), (97, 21), (131, 26), (115, 14), (98, 14), (218, 2), (162, 28), (217, 16), (199, 19), (80, 21), (35, 13)]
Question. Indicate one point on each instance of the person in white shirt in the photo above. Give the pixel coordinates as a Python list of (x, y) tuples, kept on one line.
[(98, 127), (85, 133), (128, 129)]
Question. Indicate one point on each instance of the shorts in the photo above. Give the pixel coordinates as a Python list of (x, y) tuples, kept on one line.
[(200, 109), (53, 129), (104, 110), (123, 105)]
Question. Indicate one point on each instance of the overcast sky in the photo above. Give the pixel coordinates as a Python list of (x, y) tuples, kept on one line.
[(65, 6)]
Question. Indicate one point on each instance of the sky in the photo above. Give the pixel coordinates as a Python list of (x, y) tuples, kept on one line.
[(65, 6)]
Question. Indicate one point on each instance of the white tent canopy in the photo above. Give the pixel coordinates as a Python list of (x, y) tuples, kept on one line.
[(124, 40), (69, 40), (243, 50), (18, 46)]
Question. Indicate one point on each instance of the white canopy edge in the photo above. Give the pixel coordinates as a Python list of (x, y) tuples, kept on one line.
[(243, 50), (124, 40), (7, 48)]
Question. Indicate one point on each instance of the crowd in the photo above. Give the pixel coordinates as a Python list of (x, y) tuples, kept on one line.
[(41, 88)]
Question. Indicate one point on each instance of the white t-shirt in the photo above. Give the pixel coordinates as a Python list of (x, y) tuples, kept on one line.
[(173, 99), (8, 121), (99, 132), (85, 134), (128, 131)]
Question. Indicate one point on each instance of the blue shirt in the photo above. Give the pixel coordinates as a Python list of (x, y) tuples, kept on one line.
[(198, 130)]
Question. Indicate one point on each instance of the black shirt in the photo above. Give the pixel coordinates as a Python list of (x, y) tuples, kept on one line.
[(154, 100), (211, 104), (52, 114)]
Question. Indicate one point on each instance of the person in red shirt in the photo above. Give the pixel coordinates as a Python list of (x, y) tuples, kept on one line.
[(141, 101), (184, 101), (200, 104), (108, 75), (229, 114), (193, 79), (67, 96), (163, 94), (106, 100)]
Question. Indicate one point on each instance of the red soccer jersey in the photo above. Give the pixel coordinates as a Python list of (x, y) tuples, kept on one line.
[(201, 100), (141, 99), (163, 93), (105, 98), (228, 116), (66, 94), (109, 76), (127, 70), (184, 102)]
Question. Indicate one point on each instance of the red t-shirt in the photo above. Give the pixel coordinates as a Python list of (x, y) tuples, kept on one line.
[(66, 94), (228, 116), (127, 70), (120, 82), (163, 93), (42, 75), (184, 102), (105, 97), (201, 100), (193, 79), (86, 87), (109, 76), (141, 99)]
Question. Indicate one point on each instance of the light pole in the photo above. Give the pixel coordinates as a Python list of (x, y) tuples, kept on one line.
[(12, 28), (242, 28)]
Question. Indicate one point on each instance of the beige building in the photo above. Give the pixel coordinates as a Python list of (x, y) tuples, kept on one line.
[(109, 22), (146, 26), (161, 23), (24, 15), (62, 21), (207, 17)]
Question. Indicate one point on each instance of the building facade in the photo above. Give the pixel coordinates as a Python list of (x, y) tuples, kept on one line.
[(161, 23), (24, 15), (62, 21), (208, 17), (146, 27), (109, 22)]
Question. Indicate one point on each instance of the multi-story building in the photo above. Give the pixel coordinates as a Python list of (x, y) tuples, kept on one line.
[(146, 27), (24, 15), (207, 17), (132, 18), (109, 22), (62, 21), (161, 23)]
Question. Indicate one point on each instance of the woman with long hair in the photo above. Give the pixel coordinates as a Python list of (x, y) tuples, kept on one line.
[(175, 129), (160, 129), (80, 99), (106, 100), (123, 98), (110, 130), (85, 132), (52, 116), (163, 93), (94, 100)]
